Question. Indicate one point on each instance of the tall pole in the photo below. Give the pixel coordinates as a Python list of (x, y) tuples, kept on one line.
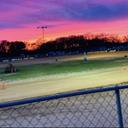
[(43, 30)]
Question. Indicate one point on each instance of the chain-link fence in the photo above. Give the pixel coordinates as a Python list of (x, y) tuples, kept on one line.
[(102, 107)]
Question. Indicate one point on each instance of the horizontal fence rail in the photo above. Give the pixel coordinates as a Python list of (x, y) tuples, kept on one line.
[(99, 107)]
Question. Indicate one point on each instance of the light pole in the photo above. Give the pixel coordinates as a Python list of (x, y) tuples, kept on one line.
[(43, 29)]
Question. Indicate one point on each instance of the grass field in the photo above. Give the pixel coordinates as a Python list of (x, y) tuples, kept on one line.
[(38, 70), (68, 74)]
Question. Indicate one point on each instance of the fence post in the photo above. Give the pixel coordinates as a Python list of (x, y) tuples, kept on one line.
[(119, 108)]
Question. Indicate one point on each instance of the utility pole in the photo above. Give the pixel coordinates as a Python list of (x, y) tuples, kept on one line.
[(43, 30)]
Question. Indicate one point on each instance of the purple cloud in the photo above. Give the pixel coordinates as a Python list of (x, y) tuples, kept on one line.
[(23, 12)]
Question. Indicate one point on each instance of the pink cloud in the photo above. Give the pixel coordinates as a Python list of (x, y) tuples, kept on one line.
[(19, 19)]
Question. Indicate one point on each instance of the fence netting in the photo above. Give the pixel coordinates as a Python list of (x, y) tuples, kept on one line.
[(124, 103), (89, 110)]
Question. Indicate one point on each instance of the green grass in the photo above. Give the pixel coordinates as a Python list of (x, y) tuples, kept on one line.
[(25, 72)]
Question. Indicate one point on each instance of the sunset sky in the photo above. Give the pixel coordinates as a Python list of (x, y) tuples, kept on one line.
[(19, 19)]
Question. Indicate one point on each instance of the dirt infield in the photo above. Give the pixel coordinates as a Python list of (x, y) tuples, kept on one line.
[(66, 82)]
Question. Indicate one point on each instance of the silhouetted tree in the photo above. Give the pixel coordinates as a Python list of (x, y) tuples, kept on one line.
[(11, 49), (16, 48)]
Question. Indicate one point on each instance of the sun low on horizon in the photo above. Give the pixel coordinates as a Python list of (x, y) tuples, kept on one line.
[(19, 19)]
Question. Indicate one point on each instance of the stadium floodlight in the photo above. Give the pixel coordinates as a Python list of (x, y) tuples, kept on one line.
[(43, 29)]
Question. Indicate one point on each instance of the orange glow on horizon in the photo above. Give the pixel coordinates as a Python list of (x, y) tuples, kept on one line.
[(67, 28), (32, 35)]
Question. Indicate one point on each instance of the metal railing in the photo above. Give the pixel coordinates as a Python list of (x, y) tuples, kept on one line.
[(99, 107)]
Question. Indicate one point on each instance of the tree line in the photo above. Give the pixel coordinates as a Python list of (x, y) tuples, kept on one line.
[(62, 46)]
